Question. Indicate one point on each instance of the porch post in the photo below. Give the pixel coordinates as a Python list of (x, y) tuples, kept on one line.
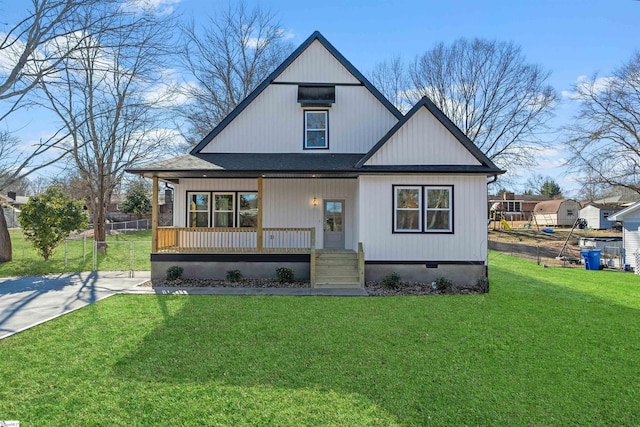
[(154, 216), (259, 237)]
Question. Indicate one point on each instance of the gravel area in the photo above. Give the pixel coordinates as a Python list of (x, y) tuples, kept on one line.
[(373, 288)]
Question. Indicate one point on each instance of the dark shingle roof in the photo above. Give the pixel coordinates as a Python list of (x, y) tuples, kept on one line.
[(277, 164)]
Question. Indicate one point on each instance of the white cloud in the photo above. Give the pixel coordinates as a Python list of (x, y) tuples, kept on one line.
[(585, 84), (256, 42), (169, 93), (162, 7)]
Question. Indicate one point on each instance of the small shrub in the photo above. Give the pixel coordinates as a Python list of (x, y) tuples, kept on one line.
[(443, 284), (174, 272), (285, 274), (391, 281), (483, 285), (234, 275)]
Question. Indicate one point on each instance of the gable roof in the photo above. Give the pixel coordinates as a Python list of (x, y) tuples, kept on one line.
[(274, 75), (602, 206), (619, 216), (442, 118)]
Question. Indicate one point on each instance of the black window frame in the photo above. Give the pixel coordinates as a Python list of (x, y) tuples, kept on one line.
[(210, 193), (423, 208), (304, 129)]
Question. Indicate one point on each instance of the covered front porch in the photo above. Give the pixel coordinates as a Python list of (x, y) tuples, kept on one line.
[(210, 251)]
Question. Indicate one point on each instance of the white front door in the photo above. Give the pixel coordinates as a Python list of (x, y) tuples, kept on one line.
[(334, 224)]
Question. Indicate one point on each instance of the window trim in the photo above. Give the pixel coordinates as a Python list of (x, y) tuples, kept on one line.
[(238, 195), (423, 209), (189, 211), (396, 208), (427, 209), (326, 129), (211, 194), (214, 210)]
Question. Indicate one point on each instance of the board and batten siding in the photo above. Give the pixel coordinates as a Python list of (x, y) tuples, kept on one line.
[(285, 202), (288, 203), (204, 184), (631, 240), (467, 243), (274, 123), (316, 65), (423, 140)]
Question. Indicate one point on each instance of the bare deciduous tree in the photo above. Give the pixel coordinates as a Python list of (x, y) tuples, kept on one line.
[(488, 90), (605, 136), (29, 53), (228, 58), (390, 78), (99, 97)]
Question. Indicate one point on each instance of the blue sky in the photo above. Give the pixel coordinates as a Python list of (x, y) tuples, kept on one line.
[(570, 38)]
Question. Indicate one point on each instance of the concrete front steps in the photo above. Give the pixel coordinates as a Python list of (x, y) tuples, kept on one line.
[(337, 269)]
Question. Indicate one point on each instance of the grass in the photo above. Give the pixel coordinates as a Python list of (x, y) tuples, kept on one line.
[(545, 347), (26, 262)]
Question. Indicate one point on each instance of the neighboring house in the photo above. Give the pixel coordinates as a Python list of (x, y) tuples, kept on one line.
[(557, 212), (630, 218), (11, 204), (317, 171), (597, 215), (515, 207)]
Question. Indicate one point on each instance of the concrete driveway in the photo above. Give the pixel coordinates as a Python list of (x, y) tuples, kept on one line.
[(29, 301)]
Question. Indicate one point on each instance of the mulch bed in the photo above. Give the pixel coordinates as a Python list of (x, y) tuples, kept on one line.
[(373, 288)]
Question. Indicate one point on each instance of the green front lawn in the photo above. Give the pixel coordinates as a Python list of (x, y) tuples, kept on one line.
[(547, 346), (79, 255)]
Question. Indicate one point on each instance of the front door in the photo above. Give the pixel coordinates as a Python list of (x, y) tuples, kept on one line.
[(334, 224)]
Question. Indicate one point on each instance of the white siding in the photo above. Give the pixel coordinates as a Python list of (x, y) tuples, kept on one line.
[(592, 215), (274, 123), (286, 202), (467, 243), (316, 65), (204, 184), (631, 240), (423, 140)]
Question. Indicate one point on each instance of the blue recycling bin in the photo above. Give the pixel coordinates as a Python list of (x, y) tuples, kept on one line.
[(591, 259)]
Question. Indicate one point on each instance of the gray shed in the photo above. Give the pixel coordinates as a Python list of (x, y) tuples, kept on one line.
[(597, 215)]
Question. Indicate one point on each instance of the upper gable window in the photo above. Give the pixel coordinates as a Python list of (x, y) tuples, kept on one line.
[(316, 95), (316, 133)]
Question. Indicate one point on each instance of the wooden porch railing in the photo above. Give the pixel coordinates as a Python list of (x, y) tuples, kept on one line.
[(218, 239)]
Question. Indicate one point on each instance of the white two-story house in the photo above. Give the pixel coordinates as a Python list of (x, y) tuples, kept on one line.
[(317, 171)]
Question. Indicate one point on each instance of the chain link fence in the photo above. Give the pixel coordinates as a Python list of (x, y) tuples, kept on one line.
[(107, 256)]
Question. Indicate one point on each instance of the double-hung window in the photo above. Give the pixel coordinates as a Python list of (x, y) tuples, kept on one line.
[(223, 209), (422, 209), (247, 209), (438, 209), (407, 205), (316, 130), (198, 209)]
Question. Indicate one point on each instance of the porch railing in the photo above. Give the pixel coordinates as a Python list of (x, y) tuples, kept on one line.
[(219, 239)]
